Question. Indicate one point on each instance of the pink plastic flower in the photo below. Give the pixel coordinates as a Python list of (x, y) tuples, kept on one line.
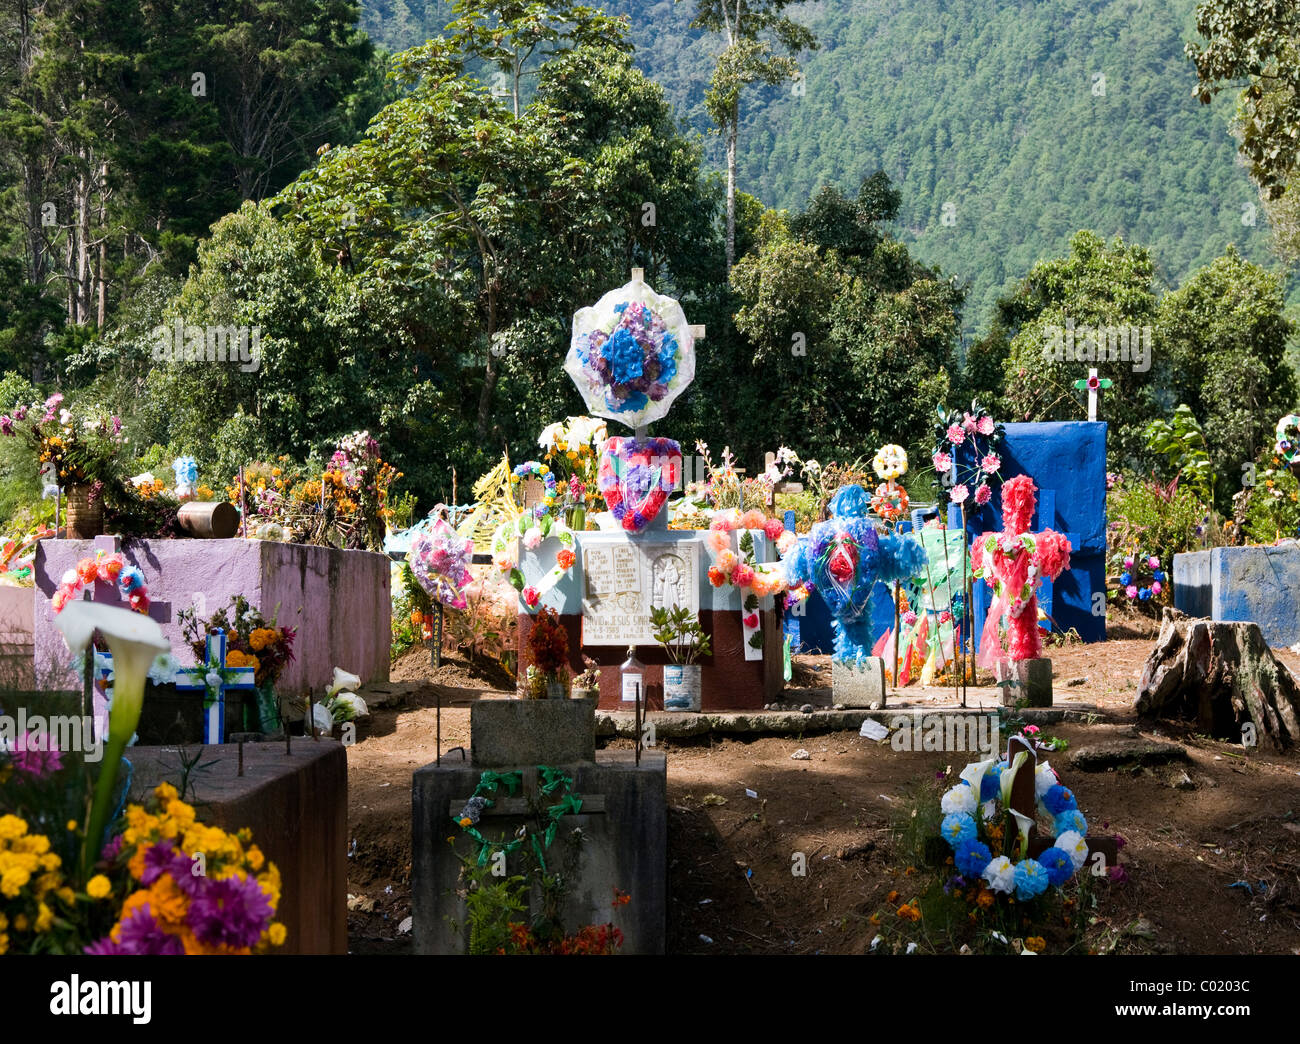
[(531, 596), (955, 434), (991, 463), (1031, 730), (969, 423), (942, 462), (959, 494), (983, 495), (717, 540), (909, 618), (1131, 590), (985, 426), (1157, 587), (726, 560), (1128, 562), (1153, 562), (743, 576)]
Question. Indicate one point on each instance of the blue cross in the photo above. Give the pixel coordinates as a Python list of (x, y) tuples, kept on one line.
[(194, 679)]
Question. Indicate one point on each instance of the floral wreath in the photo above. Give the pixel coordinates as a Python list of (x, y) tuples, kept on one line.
[(986, 786), (504, 554), (738, 567), (610, 480), (890, 501), (1288, 438), (106, 568), (535, 469)]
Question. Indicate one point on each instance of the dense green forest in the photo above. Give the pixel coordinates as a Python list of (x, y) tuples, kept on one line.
[(1027, 120)]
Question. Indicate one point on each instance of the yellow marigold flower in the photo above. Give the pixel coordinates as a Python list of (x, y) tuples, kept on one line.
[(44, 918), (466, 821), (13, 881), (165, 792), (20, 923), (276, 933), (72, 826), (255, 858), (11, 827), (98, 886), (4, 922), (38, 844), (1035, 944), (235, 658), (66, 895)]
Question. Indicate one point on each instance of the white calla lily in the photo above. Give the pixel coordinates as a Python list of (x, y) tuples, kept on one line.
[(1009, 777), (974, 775), (1023, 823), (343, 680), (135, 642)]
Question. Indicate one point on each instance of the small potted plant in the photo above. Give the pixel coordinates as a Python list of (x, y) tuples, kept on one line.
[(587, 684), (548, 645), (678, 630)]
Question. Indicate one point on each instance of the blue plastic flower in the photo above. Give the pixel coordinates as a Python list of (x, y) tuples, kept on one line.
[(957, 827), (1059, 799), (991, 784), (1031, 879), (667, 359), (1071, 820), (1144, 593), (626, 359), (1159, 575), (1125, 578), (1059, 866), (972, 857)]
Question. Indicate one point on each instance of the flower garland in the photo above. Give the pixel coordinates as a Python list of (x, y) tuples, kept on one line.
[(535, 469), (1134, 564), (1287, 444), (986, 786), (979, 433), (504, 554), (107, 569), (636, 476), (737, 566)]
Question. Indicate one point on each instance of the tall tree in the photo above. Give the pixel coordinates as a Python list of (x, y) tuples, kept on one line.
[(748, 28)]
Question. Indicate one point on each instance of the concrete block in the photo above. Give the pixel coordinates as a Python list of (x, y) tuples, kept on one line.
[(1243, 584), (625, 846), (859, 686), (513, 733), (295, 804), (339, 601), (1035, 682), (1193, 584)]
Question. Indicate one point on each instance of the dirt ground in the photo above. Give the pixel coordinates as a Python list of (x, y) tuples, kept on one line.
[(1213, 858)]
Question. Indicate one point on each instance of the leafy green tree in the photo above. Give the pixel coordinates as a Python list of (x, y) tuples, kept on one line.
[(748, 28), (1254, 45)]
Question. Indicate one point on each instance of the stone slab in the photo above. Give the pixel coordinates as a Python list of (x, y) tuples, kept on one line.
[(624, 847), (17, 665), (512, 733), (339, 601), (1243, 584), (1099, 757), (856, 686), (295, 804)]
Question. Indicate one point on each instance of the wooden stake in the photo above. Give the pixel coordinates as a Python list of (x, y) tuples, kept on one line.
[(241, 757)]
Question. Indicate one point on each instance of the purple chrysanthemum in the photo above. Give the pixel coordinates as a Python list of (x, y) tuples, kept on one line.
[(233, 912)]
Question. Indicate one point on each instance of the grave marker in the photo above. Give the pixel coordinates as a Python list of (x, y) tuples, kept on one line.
[(191, 679)]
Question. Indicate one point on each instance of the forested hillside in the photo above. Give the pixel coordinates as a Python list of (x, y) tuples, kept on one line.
[(1006, 125)]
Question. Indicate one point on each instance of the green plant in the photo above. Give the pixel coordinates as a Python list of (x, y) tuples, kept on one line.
[(1182, 441), (678, 630), (1272, 504), (1157, 518)]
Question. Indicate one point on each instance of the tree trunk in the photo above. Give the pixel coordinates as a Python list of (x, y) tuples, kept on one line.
[(733, 132), (1225, 677)]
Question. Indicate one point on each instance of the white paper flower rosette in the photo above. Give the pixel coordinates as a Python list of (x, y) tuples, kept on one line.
[(627, 368)]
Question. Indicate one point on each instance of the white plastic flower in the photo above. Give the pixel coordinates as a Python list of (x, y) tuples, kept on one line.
[(532, 538), (212, 679), (959, 799), (343, 680), (322, 718), (1001, 875), (1044, 779), (70, 577), (989, 810), (1071, 842), (347, 706)]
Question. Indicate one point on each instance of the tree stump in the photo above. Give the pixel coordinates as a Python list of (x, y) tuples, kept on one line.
[(1221, 675)]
